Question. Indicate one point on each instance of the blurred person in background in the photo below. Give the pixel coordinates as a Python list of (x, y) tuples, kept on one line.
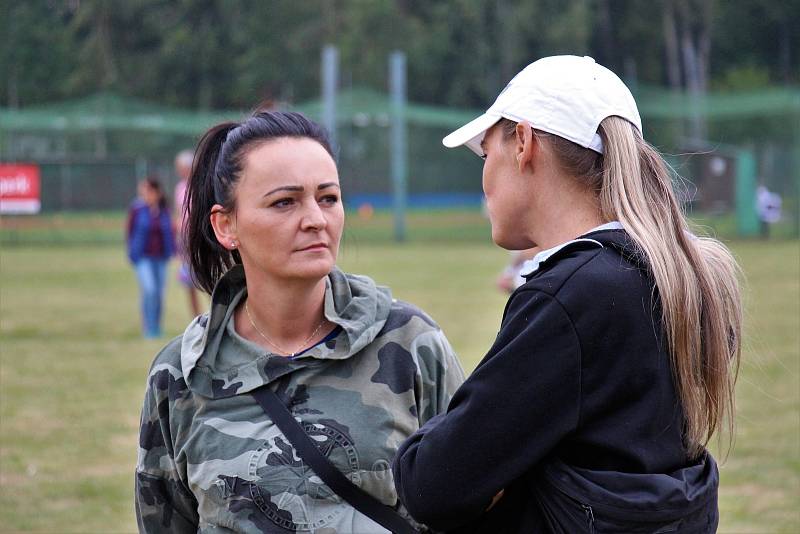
[(150, 243), (183, 169), (358, 370), (511, 276), (616, 360), (768, 207)]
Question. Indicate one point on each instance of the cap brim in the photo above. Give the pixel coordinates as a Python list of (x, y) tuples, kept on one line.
[(471, 134)]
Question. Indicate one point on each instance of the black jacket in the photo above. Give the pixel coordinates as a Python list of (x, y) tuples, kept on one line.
[(573, 413)]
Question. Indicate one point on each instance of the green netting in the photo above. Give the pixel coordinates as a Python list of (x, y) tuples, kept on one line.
[(113, 112), (106, 111), (110, 111), (657, 103), (93, 149)]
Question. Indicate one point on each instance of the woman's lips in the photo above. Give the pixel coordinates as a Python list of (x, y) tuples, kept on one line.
[(315, 246)]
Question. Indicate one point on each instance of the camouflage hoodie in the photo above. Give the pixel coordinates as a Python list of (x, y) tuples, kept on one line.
[(210, 460)]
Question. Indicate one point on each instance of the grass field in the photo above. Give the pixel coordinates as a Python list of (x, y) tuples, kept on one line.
[(73, 366)]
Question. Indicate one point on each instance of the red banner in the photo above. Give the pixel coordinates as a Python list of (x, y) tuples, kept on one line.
[(20, 189)]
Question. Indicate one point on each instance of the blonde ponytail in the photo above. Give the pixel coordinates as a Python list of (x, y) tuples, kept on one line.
[(696, 278)]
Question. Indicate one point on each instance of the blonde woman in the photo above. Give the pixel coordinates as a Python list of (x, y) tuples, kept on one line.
[(615, 362)]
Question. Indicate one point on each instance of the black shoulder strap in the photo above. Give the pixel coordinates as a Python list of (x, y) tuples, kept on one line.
[(336, 481)]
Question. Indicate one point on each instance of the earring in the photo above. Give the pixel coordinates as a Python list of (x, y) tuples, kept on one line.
[(233, 244)]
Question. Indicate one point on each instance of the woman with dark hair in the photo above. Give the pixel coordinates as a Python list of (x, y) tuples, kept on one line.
[(358, 370), (616, 359), (150, 243)]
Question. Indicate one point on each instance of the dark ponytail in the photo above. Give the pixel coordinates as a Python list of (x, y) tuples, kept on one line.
[(208, 259), (216, 170)]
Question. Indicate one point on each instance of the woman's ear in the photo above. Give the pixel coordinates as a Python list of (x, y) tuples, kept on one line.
[(526, 145), (224, 225)]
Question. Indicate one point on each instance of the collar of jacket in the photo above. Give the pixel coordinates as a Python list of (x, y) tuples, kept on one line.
[(532, 265), (614, 238), (353, 302)]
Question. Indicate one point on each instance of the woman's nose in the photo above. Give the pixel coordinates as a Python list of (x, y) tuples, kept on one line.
[(313, 217)]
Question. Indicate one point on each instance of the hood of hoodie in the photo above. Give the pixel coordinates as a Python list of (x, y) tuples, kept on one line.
[(354, 303)]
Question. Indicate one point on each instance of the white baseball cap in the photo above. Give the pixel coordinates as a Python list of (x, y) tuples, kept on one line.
[(564, 95)]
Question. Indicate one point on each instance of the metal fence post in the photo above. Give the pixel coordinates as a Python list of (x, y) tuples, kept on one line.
[(746, 215), (399, 150), (330, 81)]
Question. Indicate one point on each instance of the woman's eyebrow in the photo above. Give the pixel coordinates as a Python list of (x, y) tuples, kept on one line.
[(299, 188), (290, 188)]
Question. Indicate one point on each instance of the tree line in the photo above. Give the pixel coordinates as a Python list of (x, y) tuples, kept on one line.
[(219, 54)]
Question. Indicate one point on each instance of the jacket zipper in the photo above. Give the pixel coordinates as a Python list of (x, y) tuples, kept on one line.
[(589, 517)]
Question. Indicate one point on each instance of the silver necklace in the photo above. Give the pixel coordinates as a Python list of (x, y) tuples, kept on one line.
[(275, 345)]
